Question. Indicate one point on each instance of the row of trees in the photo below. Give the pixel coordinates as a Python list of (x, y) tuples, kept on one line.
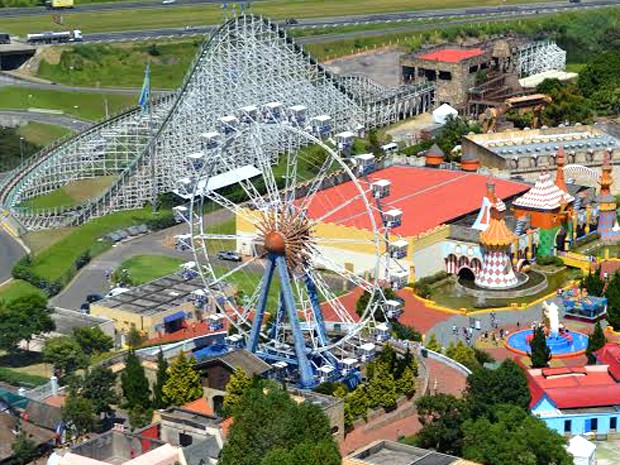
[(270, 428), (22, 319), (491, 423), (93, 394)]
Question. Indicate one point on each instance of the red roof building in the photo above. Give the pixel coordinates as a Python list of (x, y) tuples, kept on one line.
[(609, 355), (451, 55), (427, 198), (574, 387)]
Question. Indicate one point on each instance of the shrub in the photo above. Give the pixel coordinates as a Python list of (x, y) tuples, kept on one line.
[(545, 260), (165, 221), (16, 378), (153, 50), (405, 332)]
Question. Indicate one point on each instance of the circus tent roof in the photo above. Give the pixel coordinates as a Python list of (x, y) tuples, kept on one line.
[(545, 195)]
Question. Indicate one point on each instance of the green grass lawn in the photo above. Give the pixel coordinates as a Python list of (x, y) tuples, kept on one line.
[(17, 288), (74, 193), (196, 15), (89, 106), (55, 261), (41, 133), (122, 65), (145, 268), (575, 67)]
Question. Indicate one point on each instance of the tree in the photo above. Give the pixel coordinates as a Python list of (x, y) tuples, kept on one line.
[(236, 387), (98, 386), (92, 340), (291, 434), (79, 414), (183, 384), (134, 384), (65, 354), (22, 319), (596, 341), (593, 283), (464, 355), (540, 354), (139, 416), (511, 436), (134, 337), (452, 132), (324, 452), (433, 344), (505, 385), (162, 377), (441, 416), (24, 449), (364, 299), (613, 301)]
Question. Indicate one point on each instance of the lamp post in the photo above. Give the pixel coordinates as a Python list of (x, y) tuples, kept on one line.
[(21, 150)]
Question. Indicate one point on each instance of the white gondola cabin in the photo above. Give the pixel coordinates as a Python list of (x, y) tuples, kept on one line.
[(393, 218), (344, 140), (399, 279), (273, 112), (196, 160), (398, 249), (216, 322), (321, 125), (382, 332), (234, 340), (298, 113), (392, 147), (326, 373), (367, 351), (180, 213), (229, 124), (199, 297), (393, 308), (250, 114), (348, 365), (381, 188), (365, 162), (210, 140), (188, 270), (183, 242)]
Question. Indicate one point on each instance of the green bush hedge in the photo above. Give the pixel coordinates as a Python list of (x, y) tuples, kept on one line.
[(544, 260)]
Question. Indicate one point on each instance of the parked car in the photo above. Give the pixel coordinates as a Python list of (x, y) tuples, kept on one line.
[(85, 308), (291, 21), (229, 255), (168, 2), (91, 298)]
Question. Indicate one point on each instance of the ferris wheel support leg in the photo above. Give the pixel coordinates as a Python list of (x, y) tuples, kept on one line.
[(262, 304), (316, 309), (305, 371)]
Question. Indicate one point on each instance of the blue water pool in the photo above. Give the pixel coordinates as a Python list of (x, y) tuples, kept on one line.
[(569, 344)]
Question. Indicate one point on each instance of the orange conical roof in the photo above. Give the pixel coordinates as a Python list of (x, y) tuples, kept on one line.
[(497, 233), (559, 175)]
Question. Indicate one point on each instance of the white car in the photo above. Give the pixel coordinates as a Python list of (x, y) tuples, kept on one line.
[(168, 2)]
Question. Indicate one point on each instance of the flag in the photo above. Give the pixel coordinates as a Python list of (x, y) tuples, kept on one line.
[(145, 95), (482, 221)]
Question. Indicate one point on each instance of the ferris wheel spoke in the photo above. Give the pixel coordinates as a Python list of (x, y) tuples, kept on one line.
[(248, 187), (226, 237), (238, 210), (317, 182), (330, 298), (321, 260), (340, 240), (234, 270), (271, 184), (344, 204)]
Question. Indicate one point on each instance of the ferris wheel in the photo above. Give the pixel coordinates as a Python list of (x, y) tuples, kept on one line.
[(261, 216)]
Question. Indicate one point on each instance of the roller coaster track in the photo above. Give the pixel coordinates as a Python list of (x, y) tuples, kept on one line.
[(247, 61)]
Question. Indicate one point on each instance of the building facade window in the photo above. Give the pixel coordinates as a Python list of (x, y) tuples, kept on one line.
[(613, 423), (567, 426), (185, 440)]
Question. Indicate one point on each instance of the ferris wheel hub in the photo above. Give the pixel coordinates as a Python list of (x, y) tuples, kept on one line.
[(275, 242)]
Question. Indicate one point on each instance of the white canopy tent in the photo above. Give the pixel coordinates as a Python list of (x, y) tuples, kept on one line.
[(582, 450), (441, 113)]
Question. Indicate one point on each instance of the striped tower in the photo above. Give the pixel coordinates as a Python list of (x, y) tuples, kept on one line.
[(607, 221), (495, 241)]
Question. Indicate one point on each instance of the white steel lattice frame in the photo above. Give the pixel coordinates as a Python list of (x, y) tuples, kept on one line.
[(248, 61), (541, 56)]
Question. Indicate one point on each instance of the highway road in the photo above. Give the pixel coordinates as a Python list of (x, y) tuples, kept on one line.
[(443, 16), (48, 118), (10, 252)]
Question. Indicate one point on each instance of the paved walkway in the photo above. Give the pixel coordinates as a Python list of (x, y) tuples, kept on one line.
[(10, 252)]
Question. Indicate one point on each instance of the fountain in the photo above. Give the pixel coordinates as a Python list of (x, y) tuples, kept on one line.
[(561, 341)]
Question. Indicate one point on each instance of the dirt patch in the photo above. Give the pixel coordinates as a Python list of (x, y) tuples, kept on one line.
[(382, 65)]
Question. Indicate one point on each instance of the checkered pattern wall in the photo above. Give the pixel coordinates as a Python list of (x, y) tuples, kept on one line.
[(497, 272), (546, 241)]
